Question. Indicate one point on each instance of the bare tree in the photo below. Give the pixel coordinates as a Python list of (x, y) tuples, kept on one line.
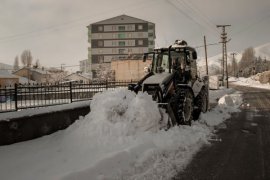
[(27, 58), (16, 63), (104, 73), (37, 64)]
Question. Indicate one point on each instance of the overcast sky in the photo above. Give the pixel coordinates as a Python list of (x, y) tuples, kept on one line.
[(56, 33)]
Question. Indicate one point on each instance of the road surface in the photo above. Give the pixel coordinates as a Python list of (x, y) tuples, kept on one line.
[(244, 149)]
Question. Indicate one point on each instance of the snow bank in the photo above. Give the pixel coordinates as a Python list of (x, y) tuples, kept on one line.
[(250, 82), (136, 112), (119, 139), (226, 105)]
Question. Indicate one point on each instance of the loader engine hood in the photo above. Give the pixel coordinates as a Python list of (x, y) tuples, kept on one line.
[(159, 78)]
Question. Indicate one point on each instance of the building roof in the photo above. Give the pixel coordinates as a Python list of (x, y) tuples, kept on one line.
[(5, 66), (86, 76), (6, 74), (40, 71), (122, 19)]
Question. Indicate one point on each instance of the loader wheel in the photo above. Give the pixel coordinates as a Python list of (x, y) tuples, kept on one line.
[(182, 105), (201, 103)]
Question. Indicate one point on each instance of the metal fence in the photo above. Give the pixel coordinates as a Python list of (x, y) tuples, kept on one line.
[(23, 96)]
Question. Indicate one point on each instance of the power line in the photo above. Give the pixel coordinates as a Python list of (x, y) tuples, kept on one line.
[(199, 14), (212, 44), (251, 25), (54, 28), (196, 20)]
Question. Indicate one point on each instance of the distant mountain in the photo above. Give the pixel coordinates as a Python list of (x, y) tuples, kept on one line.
[(214, 62), (263, 51)]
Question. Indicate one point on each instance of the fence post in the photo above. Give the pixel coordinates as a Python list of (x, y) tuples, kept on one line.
[(16, 97), (70, 90)]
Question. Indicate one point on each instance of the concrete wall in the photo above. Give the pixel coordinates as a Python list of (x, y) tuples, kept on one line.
[(126, 70), (29, 127), (8, 81)]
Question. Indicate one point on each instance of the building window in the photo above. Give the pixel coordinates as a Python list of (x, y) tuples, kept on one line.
[(100, 36), (100, 43), (121, 51), (129, 27), (151, 43), (113, 43), (129, 35), (100, 28), (95, 61), (114, 51), (121, 35), (100, 51), (140, 34), (100, 59), (114, 28), (130, 43), (113, 36), (129, 50), (121, 28), (121, 43), (140, 42), (140, 50), (140, 27), (150, 26), (150, 34)]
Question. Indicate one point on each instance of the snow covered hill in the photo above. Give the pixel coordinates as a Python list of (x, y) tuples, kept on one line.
[(214, 62)]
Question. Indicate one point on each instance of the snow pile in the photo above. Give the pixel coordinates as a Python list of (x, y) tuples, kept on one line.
[(123, 108), (119, 139), (216, 94), (250, 82), (226, 105)]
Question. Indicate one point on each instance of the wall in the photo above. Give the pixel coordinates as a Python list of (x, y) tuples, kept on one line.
[(126, 70), (23, 128), (8, 81)]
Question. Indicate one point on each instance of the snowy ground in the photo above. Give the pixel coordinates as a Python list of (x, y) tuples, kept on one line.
[(119, 139), (250, 82)]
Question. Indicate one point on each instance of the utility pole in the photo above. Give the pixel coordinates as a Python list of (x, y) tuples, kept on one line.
[(62, 67), (205, 50), (224, 52), (234, 63)]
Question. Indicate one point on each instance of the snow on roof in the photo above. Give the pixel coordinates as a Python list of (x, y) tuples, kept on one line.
[(40, 71), (6, 74), (87, 76)]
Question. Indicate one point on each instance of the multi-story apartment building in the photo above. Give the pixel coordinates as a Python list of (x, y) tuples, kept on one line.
[(121, 37)]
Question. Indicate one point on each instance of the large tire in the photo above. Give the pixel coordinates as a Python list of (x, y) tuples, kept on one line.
[(182, 105), (201, 104)]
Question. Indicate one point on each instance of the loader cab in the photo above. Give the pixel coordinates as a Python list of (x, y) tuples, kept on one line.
[(185, 58), (178, 57), (160, 61)]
